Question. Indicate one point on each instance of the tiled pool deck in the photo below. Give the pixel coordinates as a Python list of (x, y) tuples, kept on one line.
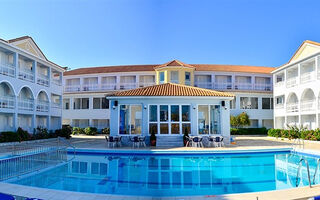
[(243, 143)]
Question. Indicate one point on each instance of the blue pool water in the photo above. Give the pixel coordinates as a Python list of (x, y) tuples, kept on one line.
[(174, 175)]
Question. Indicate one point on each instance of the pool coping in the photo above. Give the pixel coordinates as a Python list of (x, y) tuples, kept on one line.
[(52, 194)]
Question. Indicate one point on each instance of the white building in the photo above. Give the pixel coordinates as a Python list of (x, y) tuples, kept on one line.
[(296, 89), (84, 102), (30, 87)]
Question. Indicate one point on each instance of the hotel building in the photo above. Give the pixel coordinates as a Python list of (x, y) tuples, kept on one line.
[(85, 89), (30, 87), (296, 89)]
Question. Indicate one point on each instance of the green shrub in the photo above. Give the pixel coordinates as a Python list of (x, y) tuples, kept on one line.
[(77, 131), (66, 131), (40, 133), (9, 137), (90, 130), (240, 120), (274, 132), (23, 135), (106, 131), (249, 131)]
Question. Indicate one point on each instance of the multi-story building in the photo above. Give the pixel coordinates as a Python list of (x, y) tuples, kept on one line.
[(84, 102), (30, 87), (296, 89)]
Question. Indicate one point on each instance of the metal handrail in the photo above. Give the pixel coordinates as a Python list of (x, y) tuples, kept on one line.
[(297, 142), (299, 168), (67, 144), (316, 170)]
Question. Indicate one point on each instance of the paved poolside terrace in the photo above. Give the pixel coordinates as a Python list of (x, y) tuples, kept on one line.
[(242, 143)]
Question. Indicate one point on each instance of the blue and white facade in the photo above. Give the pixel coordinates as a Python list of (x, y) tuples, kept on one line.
[(30, 87)]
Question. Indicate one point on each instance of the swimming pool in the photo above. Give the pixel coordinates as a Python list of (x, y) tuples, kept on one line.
[(170, 174)]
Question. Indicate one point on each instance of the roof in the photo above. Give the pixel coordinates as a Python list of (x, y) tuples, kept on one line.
[(198, 67), (171, 89), (304, 42), (28, 37), (174, 63)]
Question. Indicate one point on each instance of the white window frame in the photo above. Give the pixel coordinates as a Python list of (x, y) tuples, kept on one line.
[(208, 105), (130, 119)]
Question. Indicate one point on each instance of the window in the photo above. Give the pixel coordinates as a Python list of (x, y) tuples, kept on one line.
[(161, 76), (130, 119), (187, 78), (248, 102), (280, 100), (209, 119), (233, 103), (173, 119), (174, 78), (267, 103), (81, 103), (100, 103), (66, 104)]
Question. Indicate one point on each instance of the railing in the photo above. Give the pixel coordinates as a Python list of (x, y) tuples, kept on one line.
[(26, 157), (223, 86), (7, 102), (291, 82), (72, 88), (146, 84), (298, 171), (26, 75), (25, 104), (90, 87), (206, 85), (292, 107), (308, 105), (127, 86), (109, 86), (263, 86), (307, 77), (7, 69), (279, 106), (42, 106), (243, 86), (56, 105), (279, 84), (43, 80), (316, 171), (56, 81)]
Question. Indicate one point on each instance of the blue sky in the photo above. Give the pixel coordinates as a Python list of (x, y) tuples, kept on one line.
[(82, 33)]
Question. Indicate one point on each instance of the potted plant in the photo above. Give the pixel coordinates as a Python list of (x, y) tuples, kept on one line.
[(153, 138), (185, 137)]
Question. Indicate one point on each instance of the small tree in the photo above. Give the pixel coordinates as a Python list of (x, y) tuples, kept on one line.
[(240, 120)]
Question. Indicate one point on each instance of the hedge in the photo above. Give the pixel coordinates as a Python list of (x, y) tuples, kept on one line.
[(294, 133), (249, 131)]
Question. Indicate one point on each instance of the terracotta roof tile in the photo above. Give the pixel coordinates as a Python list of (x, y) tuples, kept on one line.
[(171, 89), (199, 67), (174, 63)]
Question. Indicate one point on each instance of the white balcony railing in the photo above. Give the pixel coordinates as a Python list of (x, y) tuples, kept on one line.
[(108, 86), (292, 107), (7, 102), (25, 104), (307, 77), (308, 105), (223, 86), (279, 106), (43, 80), (243, 86), (72, 88), (206, 85), (56, 105), (42, 106), (279, 84), (291, 82), (90, 87), (26, 75), (127, 86), (7, 69), (263, 86), (146, 84), (56, 81)]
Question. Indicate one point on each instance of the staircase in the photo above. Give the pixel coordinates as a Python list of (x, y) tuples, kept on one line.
[(169, 141)]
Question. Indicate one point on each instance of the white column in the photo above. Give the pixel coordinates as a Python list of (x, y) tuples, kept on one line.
[(117, 82), (137, 81), (15, 115), (233, 81), (213, 80), (99, 83), (253, 82), (16, 63), (49, 75), (35, 71), (49, 123), (81, 83), (299, 71)]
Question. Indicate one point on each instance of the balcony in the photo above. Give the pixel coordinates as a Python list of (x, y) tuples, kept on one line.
[(56, 82), (279, 84), (25, 104), (263, 86), (56, 105), (26, 75), (291, 82), (72, 88), (146, 84), (90, 87), (42, 106), (279, 106), (43, 80), (109, 86), (307, 77), (308, 105), (243, 86), (292, 107), (7, 102), (127, 86), (7, 69), (223, 86), (206, 85)]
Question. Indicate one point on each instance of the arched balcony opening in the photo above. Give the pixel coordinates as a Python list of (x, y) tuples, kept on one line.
[(308, 100), (292, 103), (42, 102), (7, 97), (25, 99)]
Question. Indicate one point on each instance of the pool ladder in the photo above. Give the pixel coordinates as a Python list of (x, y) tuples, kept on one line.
[(308, 171), (68, 144), (297, 143)]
